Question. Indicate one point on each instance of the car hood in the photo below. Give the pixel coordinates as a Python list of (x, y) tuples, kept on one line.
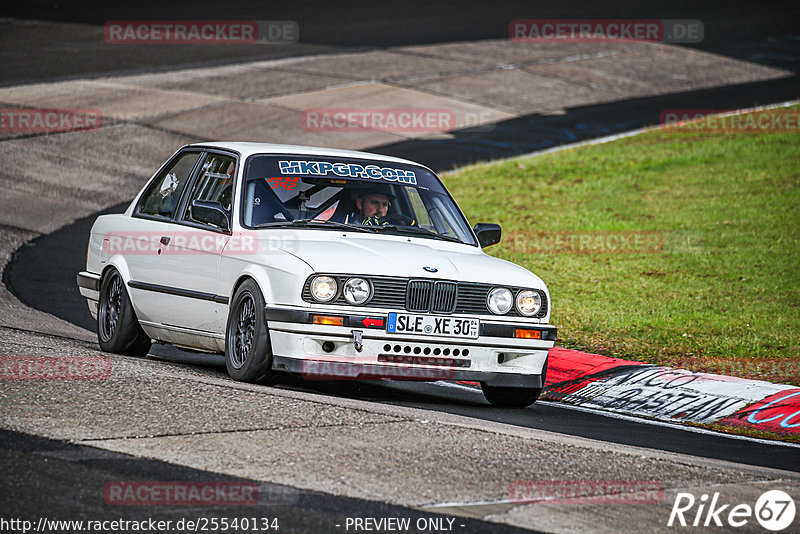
[(408, 257)]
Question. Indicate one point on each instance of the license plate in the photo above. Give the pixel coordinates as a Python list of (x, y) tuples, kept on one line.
[(402, 323)]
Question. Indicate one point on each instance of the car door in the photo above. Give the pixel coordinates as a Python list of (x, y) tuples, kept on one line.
[(190, 263), (152, 218)]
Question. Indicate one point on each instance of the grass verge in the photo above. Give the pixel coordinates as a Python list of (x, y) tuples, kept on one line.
[(679, 248)]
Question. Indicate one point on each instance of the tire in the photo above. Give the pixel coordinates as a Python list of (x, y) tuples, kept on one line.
[(248, 352), (505, 397), (118, 329)]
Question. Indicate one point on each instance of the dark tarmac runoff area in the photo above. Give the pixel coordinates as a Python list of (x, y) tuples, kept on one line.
[(765, 34), (323, 456), (75, 483)]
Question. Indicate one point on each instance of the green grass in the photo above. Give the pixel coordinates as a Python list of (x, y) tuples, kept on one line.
[(721, 294)]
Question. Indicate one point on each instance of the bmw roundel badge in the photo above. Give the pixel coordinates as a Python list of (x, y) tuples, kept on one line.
[(431, 269)]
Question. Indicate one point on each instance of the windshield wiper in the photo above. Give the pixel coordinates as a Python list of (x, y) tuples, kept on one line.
[(419, 231), (314, 222), (416, 230)]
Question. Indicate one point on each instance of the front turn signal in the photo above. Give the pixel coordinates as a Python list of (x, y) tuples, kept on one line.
[(527, 334), (330, 320)]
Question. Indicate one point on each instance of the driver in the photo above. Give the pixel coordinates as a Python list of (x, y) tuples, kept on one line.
[(372, 205)]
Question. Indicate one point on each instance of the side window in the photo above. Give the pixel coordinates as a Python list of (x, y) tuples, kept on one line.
[(420, 211), (215, 183), (164, 194)]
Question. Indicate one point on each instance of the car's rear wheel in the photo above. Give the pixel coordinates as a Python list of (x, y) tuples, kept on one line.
[(248, 353), (507, 397), (118, 328)]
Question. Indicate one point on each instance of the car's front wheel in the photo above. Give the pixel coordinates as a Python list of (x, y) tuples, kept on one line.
[(248, 354), (507, 397), (118, 329)]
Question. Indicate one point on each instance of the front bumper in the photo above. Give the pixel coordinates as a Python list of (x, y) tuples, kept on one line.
[(329, 352)]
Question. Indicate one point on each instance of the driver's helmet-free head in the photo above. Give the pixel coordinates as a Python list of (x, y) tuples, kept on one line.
[(381, 189), (361, 194)]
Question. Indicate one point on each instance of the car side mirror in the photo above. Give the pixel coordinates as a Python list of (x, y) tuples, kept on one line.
[(488, 234), (210, 212)]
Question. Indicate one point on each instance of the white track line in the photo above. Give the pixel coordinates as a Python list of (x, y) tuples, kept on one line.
[(615, 415)]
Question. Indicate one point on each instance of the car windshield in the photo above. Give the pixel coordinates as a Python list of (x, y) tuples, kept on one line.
[(362, 195)]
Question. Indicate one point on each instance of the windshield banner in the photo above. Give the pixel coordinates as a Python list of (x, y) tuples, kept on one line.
[(352, 170)]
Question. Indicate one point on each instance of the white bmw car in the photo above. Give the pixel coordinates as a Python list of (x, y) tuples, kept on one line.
[(328, 263)]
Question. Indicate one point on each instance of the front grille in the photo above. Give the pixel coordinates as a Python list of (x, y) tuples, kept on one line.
[(472, 298), (444, 297), (418, 295), (435, 296), (388, 292)]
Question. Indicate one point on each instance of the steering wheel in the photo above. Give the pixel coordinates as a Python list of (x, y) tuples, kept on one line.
[(398, 220)]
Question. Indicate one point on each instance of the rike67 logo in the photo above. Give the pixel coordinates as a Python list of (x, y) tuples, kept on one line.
[(774, 510)]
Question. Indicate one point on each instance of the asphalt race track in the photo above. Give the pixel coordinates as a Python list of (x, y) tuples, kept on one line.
[(53, 468), (52, 289), (762, 35), (61, 472)]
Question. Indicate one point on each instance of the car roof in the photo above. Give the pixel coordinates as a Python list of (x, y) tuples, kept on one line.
[(247, 149)]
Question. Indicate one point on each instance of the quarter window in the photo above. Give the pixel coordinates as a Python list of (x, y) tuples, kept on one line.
[(162, 198), (215, 183)]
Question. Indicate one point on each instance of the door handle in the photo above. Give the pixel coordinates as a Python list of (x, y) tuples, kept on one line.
[(164, 240)]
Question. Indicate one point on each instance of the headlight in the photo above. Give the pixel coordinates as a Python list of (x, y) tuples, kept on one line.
[(356, 291), (324, 288), (529, 302), (500, 300)]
